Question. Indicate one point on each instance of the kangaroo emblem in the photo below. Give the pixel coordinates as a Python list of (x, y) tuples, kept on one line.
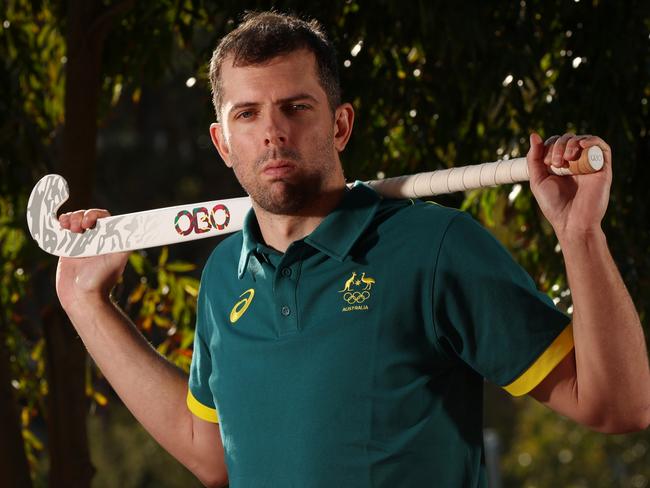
[(349, 282), (368, 281), (356, 291)]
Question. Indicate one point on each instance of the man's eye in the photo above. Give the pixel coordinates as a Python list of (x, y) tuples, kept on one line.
[(246, 114), (297, 107)]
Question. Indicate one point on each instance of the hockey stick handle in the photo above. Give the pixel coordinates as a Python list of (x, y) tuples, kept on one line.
[(181, 223), (483, 175)]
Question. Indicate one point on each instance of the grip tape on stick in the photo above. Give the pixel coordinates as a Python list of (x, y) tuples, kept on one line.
[(483, 175)]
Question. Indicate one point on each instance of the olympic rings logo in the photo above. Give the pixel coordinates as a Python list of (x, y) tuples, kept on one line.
[(356, 296)]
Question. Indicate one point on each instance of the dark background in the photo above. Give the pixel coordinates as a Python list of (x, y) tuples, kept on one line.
[(100, 92)]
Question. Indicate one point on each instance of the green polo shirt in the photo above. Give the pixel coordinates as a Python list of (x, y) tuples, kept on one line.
[(357, 357)]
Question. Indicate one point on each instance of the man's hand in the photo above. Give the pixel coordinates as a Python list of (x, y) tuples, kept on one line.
[(78, 279), (572, 204), (605, 382), (153, 389)]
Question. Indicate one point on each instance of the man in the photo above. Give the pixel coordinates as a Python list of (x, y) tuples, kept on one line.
[(342, 339)]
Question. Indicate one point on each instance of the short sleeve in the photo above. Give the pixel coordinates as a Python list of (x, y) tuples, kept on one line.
[(488, 312), (199, 396)]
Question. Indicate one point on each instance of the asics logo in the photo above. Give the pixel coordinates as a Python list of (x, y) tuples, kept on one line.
[(242, 305)]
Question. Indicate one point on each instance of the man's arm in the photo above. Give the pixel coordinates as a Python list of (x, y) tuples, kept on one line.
[(152, 388), (605, 382)]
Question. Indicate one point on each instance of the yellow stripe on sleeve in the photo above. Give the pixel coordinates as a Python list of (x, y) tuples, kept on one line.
[(201, 411), (544, 364)]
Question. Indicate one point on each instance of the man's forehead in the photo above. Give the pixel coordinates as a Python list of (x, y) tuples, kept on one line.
[(284, 75)]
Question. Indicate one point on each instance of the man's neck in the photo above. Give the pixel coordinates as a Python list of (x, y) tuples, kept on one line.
[(279, 231)]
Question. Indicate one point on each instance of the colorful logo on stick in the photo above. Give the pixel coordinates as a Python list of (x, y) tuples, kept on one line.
[(202, 220)]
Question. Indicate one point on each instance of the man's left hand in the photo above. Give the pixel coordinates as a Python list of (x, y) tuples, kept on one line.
[(572, 204)]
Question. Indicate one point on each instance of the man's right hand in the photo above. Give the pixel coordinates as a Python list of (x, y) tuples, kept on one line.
[(152, 388), (80, 279)]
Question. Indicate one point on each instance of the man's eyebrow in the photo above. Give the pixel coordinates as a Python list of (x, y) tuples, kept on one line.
[(299, 96), (281, 101)]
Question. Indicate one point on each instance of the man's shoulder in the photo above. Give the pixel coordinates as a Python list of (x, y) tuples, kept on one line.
[(416, 215)]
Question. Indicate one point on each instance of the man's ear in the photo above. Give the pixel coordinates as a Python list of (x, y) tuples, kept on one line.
[(343, 122), (219, 141)]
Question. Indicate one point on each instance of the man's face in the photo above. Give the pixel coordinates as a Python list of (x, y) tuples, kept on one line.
[(278, 133)]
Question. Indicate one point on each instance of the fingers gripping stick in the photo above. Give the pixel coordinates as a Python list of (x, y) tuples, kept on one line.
[(170, 225)]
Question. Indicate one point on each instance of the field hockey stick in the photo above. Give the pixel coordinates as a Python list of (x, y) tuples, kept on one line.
[(171, 225)]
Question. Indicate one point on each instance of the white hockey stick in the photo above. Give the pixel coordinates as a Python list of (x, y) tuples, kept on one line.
[(170, 225)]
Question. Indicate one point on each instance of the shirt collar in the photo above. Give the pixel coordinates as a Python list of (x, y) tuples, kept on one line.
[(334, 236), (250, 231)]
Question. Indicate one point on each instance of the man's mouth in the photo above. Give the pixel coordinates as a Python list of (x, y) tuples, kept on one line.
[(278, 168)]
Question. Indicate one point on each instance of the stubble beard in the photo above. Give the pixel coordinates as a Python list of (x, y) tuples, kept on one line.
[(293, 195)]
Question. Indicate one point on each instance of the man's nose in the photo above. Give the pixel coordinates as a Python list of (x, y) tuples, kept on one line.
[(277, 131)]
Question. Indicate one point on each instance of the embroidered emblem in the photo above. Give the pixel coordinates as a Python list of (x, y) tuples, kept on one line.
[(356, 291), (242, 305)]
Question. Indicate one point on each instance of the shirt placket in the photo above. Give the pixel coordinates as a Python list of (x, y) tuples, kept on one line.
[(285, 275), (285, 286)]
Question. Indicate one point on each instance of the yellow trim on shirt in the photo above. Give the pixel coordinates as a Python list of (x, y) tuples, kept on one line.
[(544, 364), (201, 411)]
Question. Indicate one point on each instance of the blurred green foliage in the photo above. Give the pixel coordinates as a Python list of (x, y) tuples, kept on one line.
[(139, 462), (549, 450), (433, 86)]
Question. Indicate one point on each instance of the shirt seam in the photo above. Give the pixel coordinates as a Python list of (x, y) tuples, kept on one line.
[(371, 406), (299, 263), (434, 274)]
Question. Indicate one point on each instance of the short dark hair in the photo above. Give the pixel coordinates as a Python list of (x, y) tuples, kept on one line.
[(263, 36)]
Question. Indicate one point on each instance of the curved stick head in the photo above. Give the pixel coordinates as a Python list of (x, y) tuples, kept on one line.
[(46, 198)]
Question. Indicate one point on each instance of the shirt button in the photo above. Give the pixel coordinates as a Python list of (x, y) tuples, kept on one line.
[(285, 310), (286, 272)]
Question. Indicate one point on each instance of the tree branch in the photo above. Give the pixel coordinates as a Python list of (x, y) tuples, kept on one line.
[(102, 22)]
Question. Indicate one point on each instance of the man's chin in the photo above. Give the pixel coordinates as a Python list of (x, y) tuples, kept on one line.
[(283, 198), (283, 206)]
